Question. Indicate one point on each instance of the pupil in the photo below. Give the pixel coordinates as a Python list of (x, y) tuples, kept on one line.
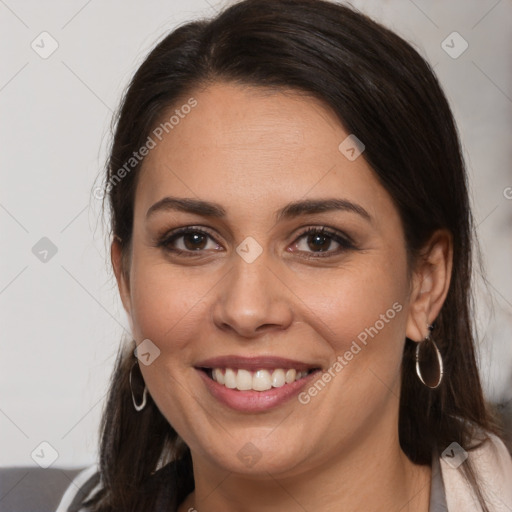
[(320, 242), (195, 238)]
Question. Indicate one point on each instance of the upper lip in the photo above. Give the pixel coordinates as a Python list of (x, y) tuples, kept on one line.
[(255, 363)]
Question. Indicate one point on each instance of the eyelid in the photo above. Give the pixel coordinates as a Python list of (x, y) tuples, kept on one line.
[(162, 240), (344, 240), (326, 230)]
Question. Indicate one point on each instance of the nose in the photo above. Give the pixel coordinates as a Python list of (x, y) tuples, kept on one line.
[(251, 300)]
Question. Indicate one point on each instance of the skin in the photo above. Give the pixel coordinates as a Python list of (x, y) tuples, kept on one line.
[(252, 151)]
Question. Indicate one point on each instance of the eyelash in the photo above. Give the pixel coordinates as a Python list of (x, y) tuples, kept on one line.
[(343, 240)]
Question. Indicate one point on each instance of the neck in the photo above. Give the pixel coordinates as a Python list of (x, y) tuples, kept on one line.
[(377, 477)]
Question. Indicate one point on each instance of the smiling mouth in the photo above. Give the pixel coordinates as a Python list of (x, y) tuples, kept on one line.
[(259, 380)]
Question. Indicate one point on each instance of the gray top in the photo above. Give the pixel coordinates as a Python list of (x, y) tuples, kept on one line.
[(437, 492)]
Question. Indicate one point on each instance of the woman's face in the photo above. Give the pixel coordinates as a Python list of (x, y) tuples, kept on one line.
[(248, 285)]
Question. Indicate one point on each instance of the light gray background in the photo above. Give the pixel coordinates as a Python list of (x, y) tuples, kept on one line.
[(61, 321)]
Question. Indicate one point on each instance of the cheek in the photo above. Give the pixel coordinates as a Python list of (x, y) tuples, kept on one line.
[(352, 302), (167, 303), (362, 315), (356, 302)]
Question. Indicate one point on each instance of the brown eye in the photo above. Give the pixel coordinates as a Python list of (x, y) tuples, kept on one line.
[(187, 241), (321, 240), (194, 241)]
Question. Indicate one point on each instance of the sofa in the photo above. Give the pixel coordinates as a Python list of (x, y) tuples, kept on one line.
[(33, 489)]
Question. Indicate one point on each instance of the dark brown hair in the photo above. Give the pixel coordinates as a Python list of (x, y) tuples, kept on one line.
[(382, 91)]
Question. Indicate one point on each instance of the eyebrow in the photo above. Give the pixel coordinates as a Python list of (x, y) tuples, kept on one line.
[(293, 209)]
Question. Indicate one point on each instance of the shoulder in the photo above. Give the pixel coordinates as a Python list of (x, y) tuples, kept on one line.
[(493, 466), (82, 487)]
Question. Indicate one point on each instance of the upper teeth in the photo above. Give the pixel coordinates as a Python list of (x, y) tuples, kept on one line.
[(260, 380)]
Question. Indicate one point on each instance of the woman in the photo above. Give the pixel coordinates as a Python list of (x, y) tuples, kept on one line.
[(292, 245)]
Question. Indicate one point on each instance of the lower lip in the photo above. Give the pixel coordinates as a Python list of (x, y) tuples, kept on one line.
[(255, 401)]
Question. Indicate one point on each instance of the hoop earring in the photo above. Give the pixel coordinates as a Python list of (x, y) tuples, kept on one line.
[(142, 404), (429, 376)]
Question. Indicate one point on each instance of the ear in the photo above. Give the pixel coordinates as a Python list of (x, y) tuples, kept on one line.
[(121, 273), (430, 284)]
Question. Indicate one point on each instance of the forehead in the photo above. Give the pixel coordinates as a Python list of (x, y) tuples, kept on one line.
[(250, 145)]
